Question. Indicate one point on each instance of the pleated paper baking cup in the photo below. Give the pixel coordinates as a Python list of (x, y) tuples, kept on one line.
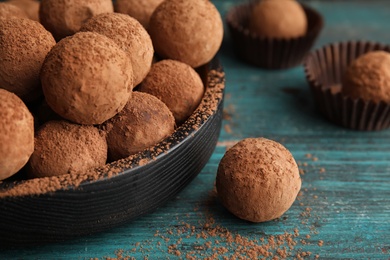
[(270, 53), (324, 70)]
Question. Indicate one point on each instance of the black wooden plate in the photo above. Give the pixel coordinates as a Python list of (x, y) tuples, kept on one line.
[(94, 206)]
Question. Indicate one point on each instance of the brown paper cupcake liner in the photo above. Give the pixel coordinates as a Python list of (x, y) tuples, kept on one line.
[(324, 70), (270, 53)]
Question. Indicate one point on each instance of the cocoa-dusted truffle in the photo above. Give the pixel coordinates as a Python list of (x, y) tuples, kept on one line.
[(140, 10), (177, 85), (31, 7), (8, 11), (143, 122), (258, 180), (65, 148), (16, 134), (65, 17), (129, 34), (278, 19), (87, 78), (24, 44), (368, 77), (190, 31)]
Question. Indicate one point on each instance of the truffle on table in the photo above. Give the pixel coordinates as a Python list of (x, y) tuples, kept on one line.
[(258, 180), (16, 134), (368, 77), (8, 11), (278, 19), (189, 31), (31, 7), (24, 44), (65, 148), (140, 10), (177, 85), (143, 122), (86, 78), (129, 34), (64, 18)]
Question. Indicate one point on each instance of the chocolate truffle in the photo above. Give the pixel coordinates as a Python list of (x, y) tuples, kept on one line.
[(177, 85), (24, 44), (258, 180), (8, 11), (368, 77), (278, 19), (65, 17), (87, 78), (190, 31), (143, 122), (129, 34), (16, 134), (31, 7), (140, 10), (65, 148)]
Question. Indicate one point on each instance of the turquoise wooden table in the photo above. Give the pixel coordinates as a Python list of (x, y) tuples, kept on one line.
[(343, 210)]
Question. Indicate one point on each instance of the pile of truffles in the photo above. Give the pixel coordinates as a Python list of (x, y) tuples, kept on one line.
[(77, 85)]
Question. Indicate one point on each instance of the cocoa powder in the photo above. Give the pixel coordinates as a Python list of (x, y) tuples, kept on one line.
[(207, 239)]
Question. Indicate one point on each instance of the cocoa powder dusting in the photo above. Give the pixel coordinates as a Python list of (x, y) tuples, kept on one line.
[(207, 108), (208, 239)]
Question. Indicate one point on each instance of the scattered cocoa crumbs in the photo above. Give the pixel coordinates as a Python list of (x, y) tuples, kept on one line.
[(228, 112), (302, 255), (119, 256), (207, 107), (209, 236), (227, 129), (226, 116)]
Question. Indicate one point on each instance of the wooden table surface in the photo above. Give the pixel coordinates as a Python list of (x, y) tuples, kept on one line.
[(343, 210)]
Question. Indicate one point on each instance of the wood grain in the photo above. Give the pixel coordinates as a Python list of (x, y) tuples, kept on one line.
[(349, 201)]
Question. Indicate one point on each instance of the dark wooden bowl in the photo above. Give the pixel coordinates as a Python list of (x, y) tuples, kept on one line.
[(95, 206)]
